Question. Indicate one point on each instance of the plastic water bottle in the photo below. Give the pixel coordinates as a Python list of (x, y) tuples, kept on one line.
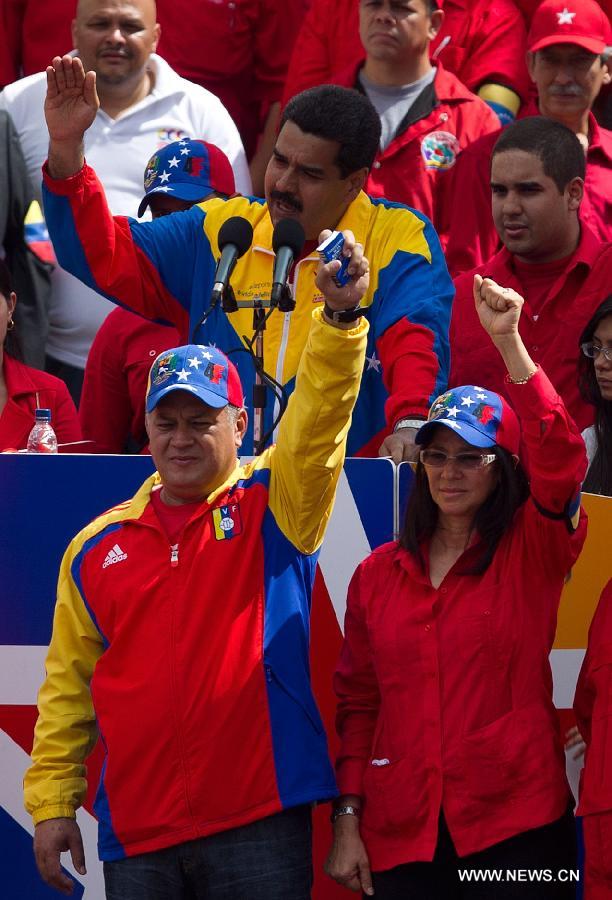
[(42, 438)]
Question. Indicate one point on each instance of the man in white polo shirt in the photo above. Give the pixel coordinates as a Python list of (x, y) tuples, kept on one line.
[(144, 104)]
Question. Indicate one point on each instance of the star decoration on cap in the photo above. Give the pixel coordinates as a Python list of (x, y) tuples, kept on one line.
[(173, 163), (452, 424), (164, 177), (185, 151), (182, 142), (467, 401), (373, 363), (452, 411), (194, 362), (565, 17), (165, 188), (206, 354), (183, 375), (481, 396)]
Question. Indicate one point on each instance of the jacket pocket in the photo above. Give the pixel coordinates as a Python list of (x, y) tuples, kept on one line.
[(305, 702), (396, 795)]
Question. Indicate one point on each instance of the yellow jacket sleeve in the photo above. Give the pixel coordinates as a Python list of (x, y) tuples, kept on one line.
[(308, 458), (66, 731)]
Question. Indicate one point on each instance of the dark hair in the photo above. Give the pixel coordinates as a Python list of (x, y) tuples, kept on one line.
[(491, 521), (338, 114), (557, 147), (11, 343), (599, 476)]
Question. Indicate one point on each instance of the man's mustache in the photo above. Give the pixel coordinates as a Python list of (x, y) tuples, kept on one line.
[(570, 90), (288, 199)]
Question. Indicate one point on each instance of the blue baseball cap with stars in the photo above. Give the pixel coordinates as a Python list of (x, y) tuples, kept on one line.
[(187, 170)]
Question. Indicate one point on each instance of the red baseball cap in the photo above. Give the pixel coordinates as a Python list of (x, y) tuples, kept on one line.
[(580, 22)]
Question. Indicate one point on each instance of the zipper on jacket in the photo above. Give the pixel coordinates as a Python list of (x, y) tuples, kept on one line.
[(174, 548)]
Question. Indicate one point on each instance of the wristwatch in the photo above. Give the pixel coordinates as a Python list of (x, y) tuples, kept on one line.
[(343, 315), (408, 423), (344, 811)]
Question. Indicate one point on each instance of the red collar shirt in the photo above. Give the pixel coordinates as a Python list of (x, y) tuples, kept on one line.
[(445, 695), (467, 217), (551, 333), (444, 119), (28, 389)]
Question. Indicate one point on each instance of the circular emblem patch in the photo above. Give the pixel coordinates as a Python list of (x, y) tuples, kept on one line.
[(439, 150), (226, 524)]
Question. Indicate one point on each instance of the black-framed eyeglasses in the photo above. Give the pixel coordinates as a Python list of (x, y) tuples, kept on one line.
[(467, 461), (593, 350)]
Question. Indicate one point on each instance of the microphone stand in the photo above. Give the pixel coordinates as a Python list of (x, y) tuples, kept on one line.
[(259, 388)]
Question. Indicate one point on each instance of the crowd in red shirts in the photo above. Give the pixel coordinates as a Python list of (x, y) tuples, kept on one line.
[(503, 206)]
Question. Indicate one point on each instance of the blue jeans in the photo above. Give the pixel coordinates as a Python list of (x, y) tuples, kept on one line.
[(270, 859)]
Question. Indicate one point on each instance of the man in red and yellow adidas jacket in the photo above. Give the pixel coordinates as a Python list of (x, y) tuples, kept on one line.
[(181, 633)]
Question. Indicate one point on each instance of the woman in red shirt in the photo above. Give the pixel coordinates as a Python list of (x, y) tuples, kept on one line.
[(596, 389), (593, 708), (451, 759), (23, 389)]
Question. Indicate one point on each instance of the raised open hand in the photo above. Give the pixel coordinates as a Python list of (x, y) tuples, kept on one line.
[(72, 101)]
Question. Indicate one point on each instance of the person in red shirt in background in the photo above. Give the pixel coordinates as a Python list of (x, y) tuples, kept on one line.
[(24, 389), (549, 256), (450, 760), (35, 32), (482, 42), (592, 708), (567, 62), (112, 403), (426, 113), (240, 51)]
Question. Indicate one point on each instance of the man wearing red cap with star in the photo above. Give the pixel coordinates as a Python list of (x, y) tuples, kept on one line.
[(568, 46)]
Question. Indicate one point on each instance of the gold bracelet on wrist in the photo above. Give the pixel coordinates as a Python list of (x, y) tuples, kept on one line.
[(511, 380)]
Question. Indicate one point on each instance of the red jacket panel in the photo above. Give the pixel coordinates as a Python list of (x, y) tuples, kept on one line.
[(467, 201), (445, 695), (551, 338), (593, 707), (413, 168), (480, 41), (28, 389), (111, 410), (238, 49)]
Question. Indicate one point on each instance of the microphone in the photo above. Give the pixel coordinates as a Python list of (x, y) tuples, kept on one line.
[(287, 242), (235, 238)]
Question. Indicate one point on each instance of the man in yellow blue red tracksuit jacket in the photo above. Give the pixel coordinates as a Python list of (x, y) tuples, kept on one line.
[(165, 270), (181, 636)]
